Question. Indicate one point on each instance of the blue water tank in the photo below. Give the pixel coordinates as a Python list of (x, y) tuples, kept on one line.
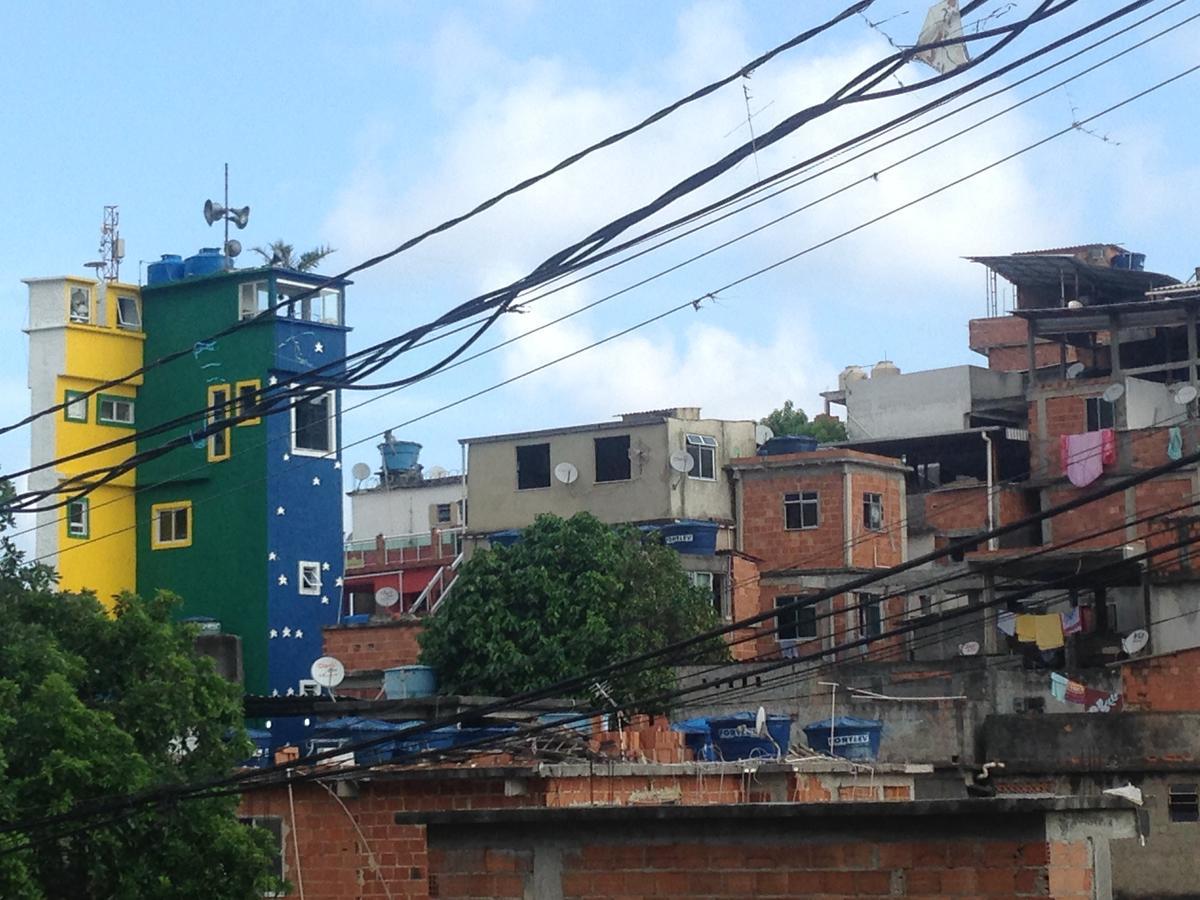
[(208, 261), (788, 443), (691, 536), (399, 456), (404, 682), (736, 737), (166, 270), (504, 538), (852, 738), (697, 737)]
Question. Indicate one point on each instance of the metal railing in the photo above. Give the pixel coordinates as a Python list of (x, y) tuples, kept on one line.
[(427, 546), (438, 588)]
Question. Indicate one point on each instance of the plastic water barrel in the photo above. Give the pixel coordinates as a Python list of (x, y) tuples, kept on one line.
[(166, 270), (846, 736), (735, 737), (208, 261), (691, 536), (400, 456), (404, 682)]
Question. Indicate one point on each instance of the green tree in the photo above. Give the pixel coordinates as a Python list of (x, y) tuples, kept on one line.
[(281, 253), (571, 596), (790, 419), (96, 706)]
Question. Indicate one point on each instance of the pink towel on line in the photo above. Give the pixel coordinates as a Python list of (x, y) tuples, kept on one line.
[(1082, 456)]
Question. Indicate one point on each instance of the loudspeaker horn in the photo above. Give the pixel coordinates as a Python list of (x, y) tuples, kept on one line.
[(240, 217), (213, 212)]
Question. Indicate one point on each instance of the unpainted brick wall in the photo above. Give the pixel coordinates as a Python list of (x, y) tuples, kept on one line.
[(1169, 683), (782, 868), (375, 645)]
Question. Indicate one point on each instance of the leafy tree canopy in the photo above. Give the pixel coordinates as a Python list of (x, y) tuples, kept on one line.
[(281, 253), (790, 419), (571, 596), (91, 706)]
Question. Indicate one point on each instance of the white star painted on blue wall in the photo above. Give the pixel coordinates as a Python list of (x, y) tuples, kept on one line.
[(318, 347), (298, 633), (291, 692), (337, 464), (286, 457), (271, 557), (337, 582), (287, 632), (272, 381), (324, 600), (274, 633), (282, 580), (325, 567), (275, 693), (316, 481), (280, 511)]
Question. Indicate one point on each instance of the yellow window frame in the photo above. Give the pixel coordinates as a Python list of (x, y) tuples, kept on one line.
[(211, 443), (237, 399), (156, 510)]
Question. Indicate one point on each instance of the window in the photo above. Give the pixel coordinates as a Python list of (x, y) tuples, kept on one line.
[(218, 412), (246, 393), (703, 451), (274, 825), (713, 584), (75, 406), (253, 297), (321, 306), (801, 510), (1099, 413), (128, 313), (313, 425), (873, 512), (1112, 611), (796, 618), (444, 514), (612, 458), (78, 524), (533, 466), (172, 525), (111, 410), (1183, 803), (81, 305), (310, 578), (870, 619)]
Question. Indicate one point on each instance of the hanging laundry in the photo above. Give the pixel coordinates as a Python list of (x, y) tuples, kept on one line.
[(1058, 686), (1108, 446), (1072, 622), (1048, 632), (1007, 623), (1076, 692), (1081, 457), (1174, 443), (1087, 618), (1103, 701), (1026, 628)]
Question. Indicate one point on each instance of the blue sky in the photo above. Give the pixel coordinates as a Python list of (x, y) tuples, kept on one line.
[(359, 124)]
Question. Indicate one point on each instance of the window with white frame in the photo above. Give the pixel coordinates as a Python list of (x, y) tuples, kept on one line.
[(801, 510), (75, 406), (129, 315), (702, 448), (444, 514), (78, 525), (313, 425), (254, 297), (713, 584), (873, 512), (111, 410), (310, 578), (81, 305), (796, 618)]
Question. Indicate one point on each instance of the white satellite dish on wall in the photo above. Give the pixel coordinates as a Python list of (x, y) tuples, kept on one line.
[(1186, 395), (762, 434), (387, 596), (1113, 392), (566, 472), (437, 472), (1075, 369), (1136, 640), (682, 461), (361, 471), (970, 648), (328, 671)]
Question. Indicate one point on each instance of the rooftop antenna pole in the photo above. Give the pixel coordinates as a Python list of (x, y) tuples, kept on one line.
[(226, 244)]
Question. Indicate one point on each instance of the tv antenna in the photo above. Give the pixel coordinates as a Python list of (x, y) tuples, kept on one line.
[(112, 247)]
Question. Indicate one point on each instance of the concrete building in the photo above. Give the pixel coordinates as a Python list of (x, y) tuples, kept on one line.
[(664, 468), (83, 333)]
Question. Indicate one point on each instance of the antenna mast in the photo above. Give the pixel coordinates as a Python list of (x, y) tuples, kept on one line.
[(112, 247)]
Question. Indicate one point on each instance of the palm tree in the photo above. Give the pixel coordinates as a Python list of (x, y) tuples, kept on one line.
[(281, 253)]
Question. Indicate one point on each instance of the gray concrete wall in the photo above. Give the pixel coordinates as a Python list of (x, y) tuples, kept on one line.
[(1175, 608)]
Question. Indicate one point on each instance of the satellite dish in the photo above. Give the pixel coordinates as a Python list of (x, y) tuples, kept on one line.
[(1113, 392), (361, 471), (328, 671), (566, 473), (970, 648), (1075, 369), (682, 461), (762, 434), (387, 596), (1186, 395), (1135, 641), (437, 472), (760, 722)]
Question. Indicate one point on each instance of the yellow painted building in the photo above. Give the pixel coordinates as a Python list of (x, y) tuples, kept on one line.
[(82, 333)]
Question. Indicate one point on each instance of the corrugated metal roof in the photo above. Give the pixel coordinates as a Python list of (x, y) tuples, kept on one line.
[(1102, 283)]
